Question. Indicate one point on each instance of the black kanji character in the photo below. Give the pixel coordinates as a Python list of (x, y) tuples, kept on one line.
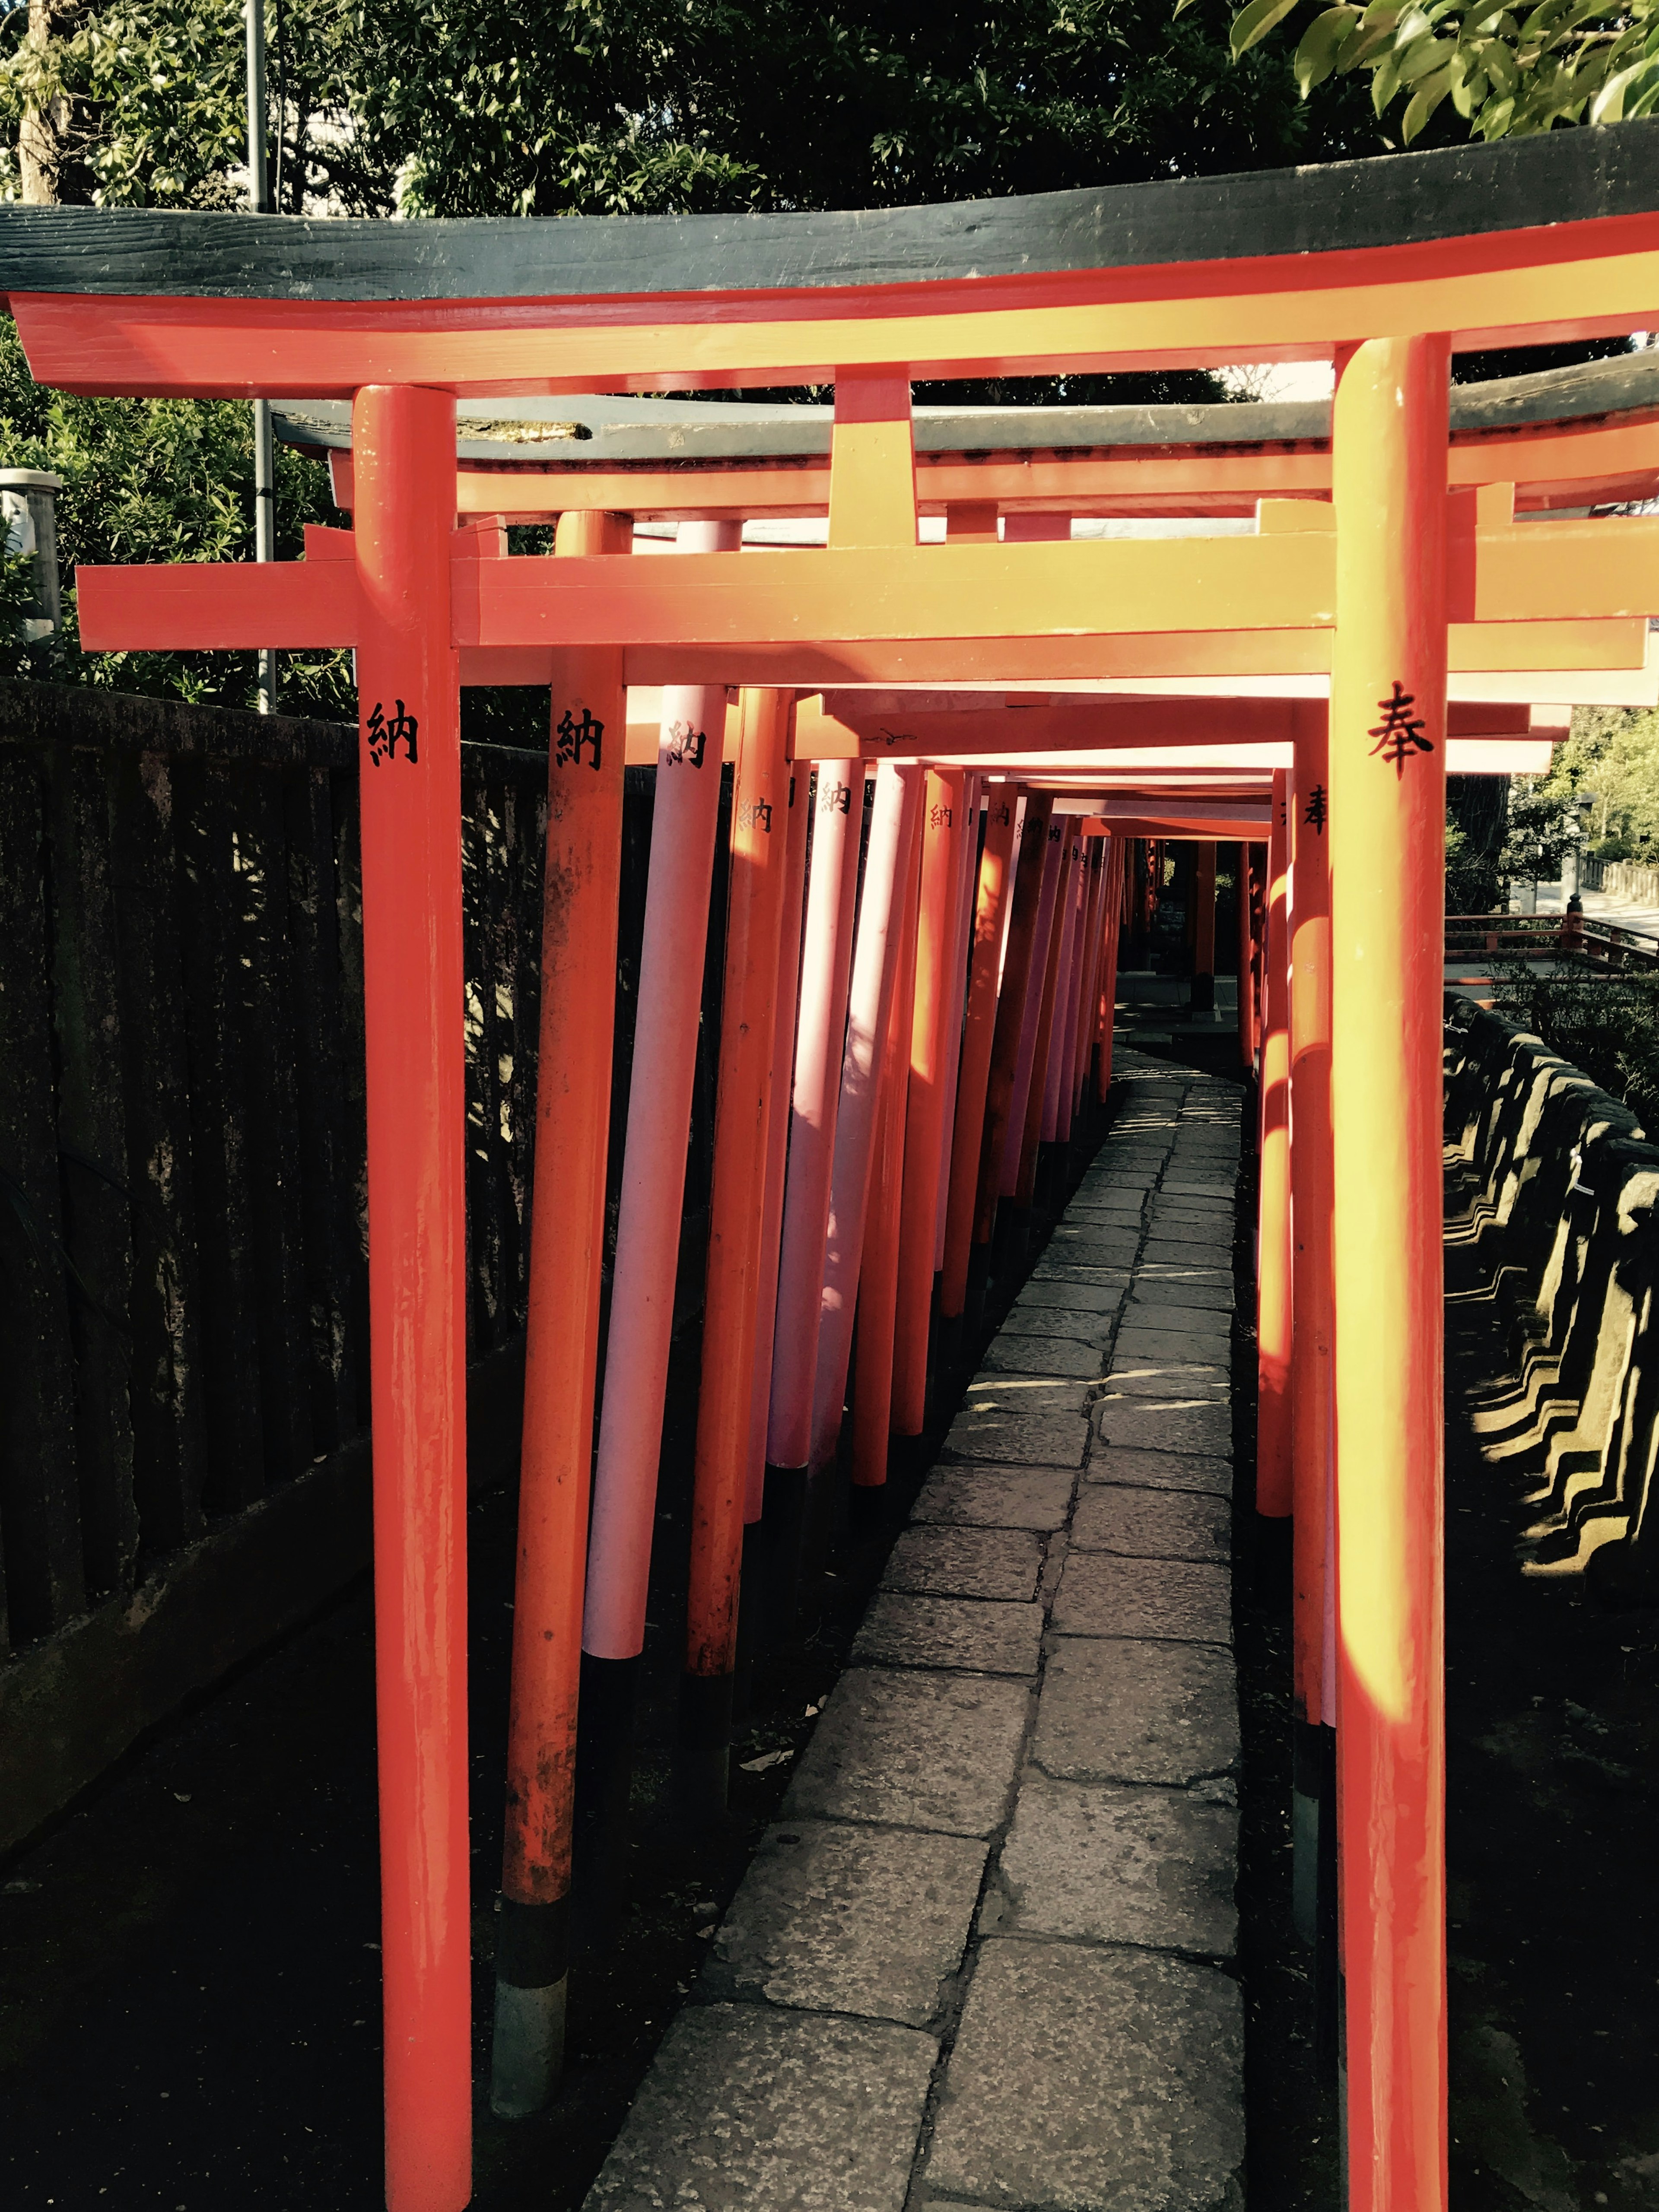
[(836, 799), (1315, 812), (940, 817), (685, 745), (384, 737), (573, 735), (755, 813), (1400, 733)]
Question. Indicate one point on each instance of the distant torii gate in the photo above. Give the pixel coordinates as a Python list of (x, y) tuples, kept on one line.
[(1421, 254)]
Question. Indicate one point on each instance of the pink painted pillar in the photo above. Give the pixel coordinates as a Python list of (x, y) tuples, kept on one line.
[(894, 821), (783, 1059), (826, 962), (684, 822), (966, 889), (1088, 938), (1065, 1027), (1047, 899)]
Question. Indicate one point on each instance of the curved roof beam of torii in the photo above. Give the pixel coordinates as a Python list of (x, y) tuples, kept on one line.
[(1564, 437), (1548, 238)]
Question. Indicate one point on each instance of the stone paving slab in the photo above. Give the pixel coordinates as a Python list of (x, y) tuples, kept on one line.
[(1167, 1248), (1213, 1214), (911, 1749), (868, 1920), (1191, 1293), (1092, 1328), (1013, 1427), (1103, 1594), (746, 2109), (1110, 1863), (1132, 1710), (1054, 1294), (1156, 1470), (1186, 1341), (1166, 1424), (1098, 2081), (1151, 1524), (1048, 1269), (1195, 1236), (902, 1628), (1093, 1247), (1013, 1353), (1165, 1379), (996, 1496), (1212, 1321), (1179, 1183), (957, 1562), (1184, 1287)]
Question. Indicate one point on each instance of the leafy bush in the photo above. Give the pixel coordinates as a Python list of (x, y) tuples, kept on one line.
[(1607, 1025)]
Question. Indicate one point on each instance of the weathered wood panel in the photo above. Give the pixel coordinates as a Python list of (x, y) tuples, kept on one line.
[(182, 1138), (169, 1419), (92, 1159), (40, 1521)]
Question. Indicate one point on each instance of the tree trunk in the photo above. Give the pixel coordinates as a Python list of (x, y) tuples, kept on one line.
[(52, 172)]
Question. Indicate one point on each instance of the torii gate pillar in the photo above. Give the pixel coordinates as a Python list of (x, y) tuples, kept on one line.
[(409, 775), (1388, 802)]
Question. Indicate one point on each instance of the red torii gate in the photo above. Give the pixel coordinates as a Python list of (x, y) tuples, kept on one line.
[(1423, 256)]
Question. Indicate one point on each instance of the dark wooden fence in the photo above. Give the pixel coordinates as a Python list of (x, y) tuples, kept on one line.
[(183, 1286)]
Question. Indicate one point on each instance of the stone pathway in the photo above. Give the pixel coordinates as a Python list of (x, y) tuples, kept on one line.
[(982, 1958)]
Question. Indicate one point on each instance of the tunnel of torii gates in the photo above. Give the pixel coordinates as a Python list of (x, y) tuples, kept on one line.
[(1394, 564)]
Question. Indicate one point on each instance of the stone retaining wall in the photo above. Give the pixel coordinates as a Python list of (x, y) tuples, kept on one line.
[(1555, 1188)]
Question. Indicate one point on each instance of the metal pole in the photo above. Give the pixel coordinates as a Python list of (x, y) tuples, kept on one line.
[(258, 195)]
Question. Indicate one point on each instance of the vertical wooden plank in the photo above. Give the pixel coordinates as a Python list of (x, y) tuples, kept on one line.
[(349, 923), (270, 1047), (93, 1159), (39, 1516), (327, 1196), (213, 930), (168, 1411)]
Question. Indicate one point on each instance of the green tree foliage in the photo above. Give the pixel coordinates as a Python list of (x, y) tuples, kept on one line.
[(591, 107), (1609, 768), (156, 480), (156, 96), (1507, 71), (756, 104), (1605, 1025)]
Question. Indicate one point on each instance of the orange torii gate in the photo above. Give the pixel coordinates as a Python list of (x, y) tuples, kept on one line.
[(1554, 237)]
